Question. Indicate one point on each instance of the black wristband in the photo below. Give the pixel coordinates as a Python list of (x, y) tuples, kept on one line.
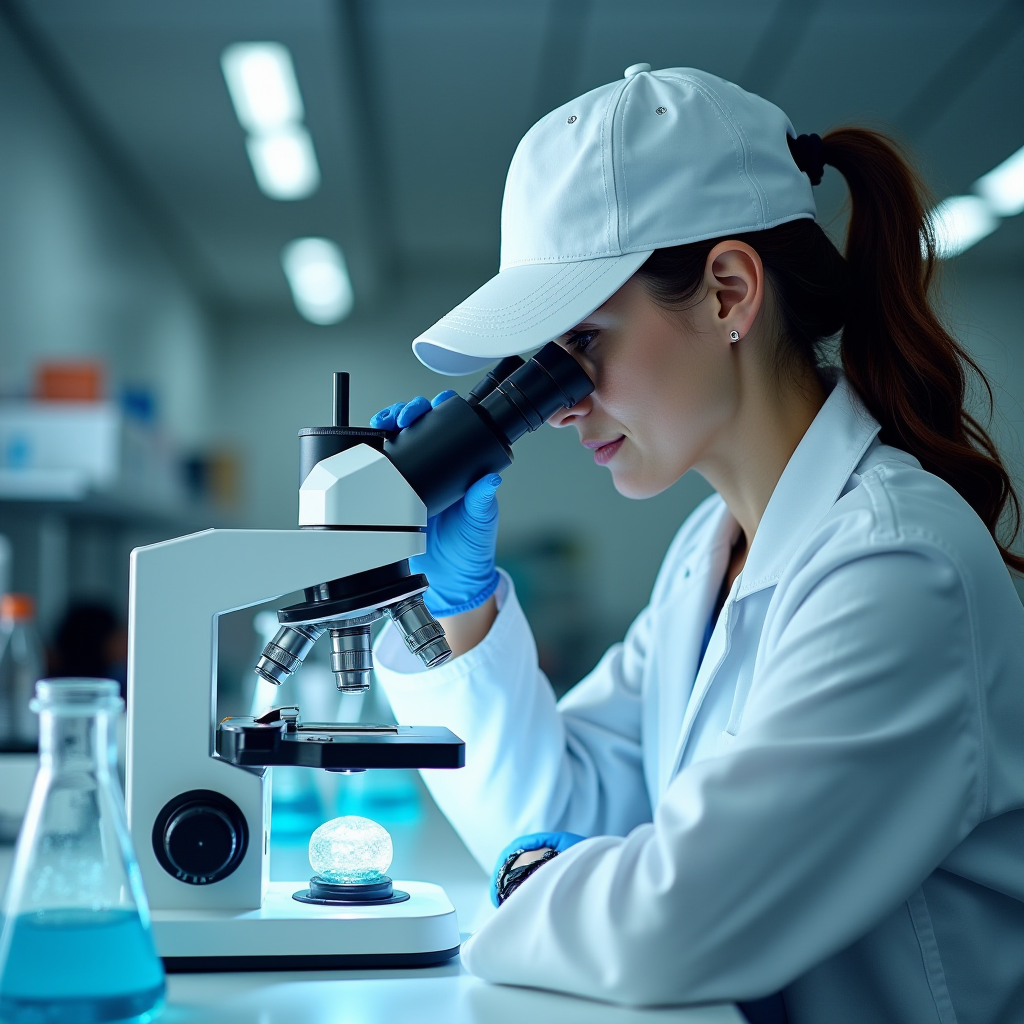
[(510, 878)]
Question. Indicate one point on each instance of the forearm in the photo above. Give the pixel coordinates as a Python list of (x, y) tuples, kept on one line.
[(466, 630), (494, 697), (530, 766)]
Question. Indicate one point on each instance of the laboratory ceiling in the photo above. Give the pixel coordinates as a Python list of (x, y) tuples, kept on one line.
[(416, 106)]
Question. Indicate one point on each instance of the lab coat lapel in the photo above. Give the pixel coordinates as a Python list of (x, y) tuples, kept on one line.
[(810, 485), (692, 602), (717, 649)]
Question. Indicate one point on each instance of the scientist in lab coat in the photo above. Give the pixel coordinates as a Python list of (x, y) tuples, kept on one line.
[(798, 782)]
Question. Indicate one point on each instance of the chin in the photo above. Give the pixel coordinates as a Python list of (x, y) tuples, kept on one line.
[(630, 486)]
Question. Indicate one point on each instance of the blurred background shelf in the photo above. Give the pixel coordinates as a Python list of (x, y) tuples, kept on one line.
[(49, 493)]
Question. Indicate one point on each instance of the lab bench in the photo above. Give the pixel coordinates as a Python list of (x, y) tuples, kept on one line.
[(425, 847), (437, 995)]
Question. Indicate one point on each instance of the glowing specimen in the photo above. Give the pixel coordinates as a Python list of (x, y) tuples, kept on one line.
[(350, 850)]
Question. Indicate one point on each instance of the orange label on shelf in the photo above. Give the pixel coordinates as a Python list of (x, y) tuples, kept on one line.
[(69, 382), (18, 607)]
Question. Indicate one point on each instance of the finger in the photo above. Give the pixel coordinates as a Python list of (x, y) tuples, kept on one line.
[(387, 418), (443, 397), (479, 500), (412, 412)]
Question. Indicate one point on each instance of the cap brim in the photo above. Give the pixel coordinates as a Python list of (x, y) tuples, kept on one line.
[(520, 309)]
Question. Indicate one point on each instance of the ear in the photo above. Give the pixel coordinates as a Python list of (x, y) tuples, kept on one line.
[(734, 276)]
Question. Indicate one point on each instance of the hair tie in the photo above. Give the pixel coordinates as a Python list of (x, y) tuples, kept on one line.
[(809, 154)]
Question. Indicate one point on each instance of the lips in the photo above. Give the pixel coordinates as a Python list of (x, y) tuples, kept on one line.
[(604, 451)]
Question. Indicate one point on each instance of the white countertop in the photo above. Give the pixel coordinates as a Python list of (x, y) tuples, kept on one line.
[(426, 847), (437, 995)]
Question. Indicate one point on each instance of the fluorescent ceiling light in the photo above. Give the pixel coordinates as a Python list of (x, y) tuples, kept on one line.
[(316, 272), (1003, 187), (284, 163), (959, 222), (261, 80)]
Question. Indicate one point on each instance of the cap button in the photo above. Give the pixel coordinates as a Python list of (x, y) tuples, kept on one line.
[(635, 69)]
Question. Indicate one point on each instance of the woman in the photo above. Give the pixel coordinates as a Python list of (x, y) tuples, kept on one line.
[(801, 775)]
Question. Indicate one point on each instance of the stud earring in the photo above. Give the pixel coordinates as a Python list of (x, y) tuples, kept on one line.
[(734, 335)]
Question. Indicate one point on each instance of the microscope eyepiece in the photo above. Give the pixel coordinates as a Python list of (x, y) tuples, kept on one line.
[(550, 381), (453, 445), (494, 377)]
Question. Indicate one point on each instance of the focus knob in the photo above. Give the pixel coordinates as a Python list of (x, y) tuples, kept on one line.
[(200, 837)]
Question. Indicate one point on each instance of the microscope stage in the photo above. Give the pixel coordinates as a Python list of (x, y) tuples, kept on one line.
[(287, 935), (270, 742)]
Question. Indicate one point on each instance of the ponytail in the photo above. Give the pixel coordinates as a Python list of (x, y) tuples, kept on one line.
[(909, 371)]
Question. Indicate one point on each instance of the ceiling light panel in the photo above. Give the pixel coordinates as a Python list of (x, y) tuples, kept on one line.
[(1003, 187), (284, 163), (263, 87), (959, 222), (265, 93), (318, 277)]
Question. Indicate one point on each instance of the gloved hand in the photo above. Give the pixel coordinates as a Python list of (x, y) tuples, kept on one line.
[(459, 560), (557, 841)]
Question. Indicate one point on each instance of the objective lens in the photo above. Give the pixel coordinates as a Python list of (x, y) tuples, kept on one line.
[(421, 632), (351, 658), (286, 652)]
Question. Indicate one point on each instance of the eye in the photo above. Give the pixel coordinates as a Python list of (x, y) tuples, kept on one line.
[(581, 339)]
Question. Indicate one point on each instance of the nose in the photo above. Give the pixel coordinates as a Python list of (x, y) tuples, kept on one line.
[(571, 417)]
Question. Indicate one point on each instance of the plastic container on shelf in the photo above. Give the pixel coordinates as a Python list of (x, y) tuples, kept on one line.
[(76, 944), (21, 665)]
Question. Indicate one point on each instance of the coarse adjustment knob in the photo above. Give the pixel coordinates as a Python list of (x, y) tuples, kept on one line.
[(200, 837)]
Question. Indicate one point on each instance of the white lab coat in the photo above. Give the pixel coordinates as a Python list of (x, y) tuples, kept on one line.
[(837, 789)]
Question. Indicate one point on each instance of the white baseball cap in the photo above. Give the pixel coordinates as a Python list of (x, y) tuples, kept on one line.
[(658, 159)]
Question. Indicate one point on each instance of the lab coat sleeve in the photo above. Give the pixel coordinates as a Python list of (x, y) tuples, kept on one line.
[(854, 771), (531, 765)]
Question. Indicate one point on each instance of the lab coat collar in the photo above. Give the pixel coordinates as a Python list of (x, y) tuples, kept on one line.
[(810, 485)]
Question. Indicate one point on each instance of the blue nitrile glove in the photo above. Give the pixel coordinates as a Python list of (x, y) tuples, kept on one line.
[(557, 841), (459, 560)]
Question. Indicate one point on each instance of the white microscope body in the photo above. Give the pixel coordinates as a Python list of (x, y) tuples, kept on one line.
[(197, 790), (178, 589)]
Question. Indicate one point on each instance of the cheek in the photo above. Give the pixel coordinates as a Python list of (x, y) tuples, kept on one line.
[(669, 398)]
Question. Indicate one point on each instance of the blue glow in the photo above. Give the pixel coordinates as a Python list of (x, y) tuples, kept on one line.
[(350, 850)]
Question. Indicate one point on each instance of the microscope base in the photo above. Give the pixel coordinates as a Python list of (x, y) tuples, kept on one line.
[(285, 935)]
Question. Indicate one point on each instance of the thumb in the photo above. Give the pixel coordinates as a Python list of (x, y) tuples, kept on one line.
[(479, 499)]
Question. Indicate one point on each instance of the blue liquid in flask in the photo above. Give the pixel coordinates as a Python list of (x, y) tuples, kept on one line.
[(80, 967)]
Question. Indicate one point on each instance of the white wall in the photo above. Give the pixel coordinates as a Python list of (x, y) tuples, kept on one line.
[(81, 273), (986, 309)]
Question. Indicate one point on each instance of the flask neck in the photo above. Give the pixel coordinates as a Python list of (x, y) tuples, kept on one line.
[(85, 742)]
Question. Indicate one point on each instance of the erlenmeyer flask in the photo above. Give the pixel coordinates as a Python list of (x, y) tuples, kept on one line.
[(76, 946)]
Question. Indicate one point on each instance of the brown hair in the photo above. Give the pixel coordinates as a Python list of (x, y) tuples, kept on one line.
[(910, 372)]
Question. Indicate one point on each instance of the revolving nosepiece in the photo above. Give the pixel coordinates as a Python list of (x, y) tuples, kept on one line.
[(287, 651), (421, 632)]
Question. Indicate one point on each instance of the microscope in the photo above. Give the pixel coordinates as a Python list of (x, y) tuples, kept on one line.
[(198, 790)]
